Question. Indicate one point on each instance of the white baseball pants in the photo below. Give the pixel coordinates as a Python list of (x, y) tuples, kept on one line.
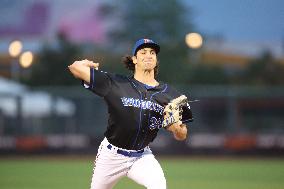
[(111, 166)]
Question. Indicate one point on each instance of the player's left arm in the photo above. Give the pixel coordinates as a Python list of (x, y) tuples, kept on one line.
[(179, 130)]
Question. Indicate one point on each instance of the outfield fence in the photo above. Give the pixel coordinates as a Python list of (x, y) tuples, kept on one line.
[(231, 118)]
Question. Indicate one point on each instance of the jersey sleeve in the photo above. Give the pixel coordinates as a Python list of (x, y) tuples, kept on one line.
[(100, 82)]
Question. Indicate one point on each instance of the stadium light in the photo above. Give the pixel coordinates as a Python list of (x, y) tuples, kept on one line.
[(15, 48), (26, 59), (194, 40)]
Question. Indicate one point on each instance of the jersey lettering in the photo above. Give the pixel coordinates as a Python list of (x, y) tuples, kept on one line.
[(137, 103)]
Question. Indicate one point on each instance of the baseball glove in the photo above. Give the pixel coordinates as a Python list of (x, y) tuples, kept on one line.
[(173, 111)]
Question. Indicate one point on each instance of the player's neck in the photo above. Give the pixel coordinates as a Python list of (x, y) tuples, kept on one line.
[(145, 77)]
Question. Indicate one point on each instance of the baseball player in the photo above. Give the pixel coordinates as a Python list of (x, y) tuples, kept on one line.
[(136, 113)]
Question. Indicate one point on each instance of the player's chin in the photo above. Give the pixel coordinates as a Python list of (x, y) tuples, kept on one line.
[(149, 67)]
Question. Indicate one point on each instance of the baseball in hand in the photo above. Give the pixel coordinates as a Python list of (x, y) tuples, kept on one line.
[(90, 63)]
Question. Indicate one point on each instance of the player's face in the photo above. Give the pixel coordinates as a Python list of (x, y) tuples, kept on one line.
[(145, 59)]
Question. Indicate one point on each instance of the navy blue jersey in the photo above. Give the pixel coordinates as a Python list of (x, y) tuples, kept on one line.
[(135, 110)]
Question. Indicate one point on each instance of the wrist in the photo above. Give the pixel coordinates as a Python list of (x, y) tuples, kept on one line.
[(180, 132)]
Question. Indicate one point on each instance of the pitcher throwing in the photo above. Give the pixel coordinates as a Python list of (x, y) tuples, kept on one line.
[(136, 107)]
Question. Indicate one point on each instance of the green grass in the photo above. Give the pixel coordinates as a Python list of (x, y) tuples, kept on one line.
[(52, 173)]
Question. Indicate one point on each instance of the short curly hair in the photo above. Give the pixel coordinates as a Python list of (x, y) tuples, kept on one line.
[(127, 61)]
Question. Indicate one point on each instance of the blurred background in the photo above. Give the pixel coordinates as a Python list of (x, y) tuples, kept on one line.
[(227, 54)]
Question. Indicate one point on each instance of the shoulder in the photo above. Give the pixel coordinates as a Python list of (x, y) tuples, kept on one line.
[(114, 76), (172, 91), (120, 78)]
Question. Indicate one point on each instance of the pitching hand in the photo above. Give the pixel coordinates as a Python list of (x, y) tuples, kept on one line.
[(90, 64)]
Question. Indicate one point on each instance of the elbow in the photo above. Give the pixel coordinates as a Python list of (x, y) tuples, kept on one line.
[(74, 70)]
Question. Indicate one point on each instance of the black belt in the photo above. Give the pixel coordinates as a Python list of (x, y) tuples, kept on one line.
[(127, 153)]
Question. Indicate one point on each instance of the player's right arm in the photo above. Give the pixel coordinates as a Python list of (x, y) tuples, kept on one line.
[(81, 69), (99, 82)]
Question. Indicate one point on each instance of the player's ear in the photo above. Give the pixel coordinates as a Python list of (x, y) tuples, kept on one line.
[(134, 59)]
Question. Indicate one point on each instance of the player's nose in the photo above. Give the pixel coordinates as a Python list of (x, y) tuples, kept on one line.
[(148, 58), (148, 55)]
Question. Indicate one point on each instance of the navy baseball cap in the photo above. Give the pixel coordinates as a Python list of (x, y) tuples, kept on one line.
[(141, 43)]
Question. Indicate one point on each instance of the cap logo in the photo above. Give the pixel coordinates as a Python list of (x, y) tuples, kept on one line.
[(147, 40)]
